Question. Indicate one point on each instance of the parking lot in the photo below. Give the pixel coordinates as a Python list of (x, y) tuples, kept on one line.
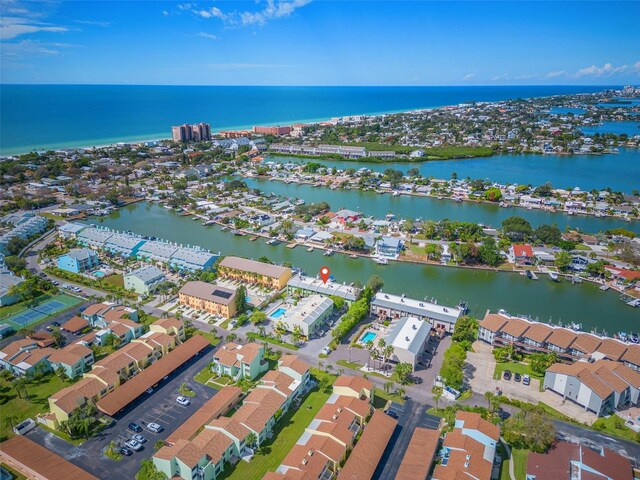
[(158, 407)]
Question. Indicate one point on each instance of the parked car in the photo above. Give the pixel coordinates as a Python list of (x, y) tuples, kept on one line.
[(526, 380), (139, 438), (517, 377), (183, 401), (55, 324), (154, 427), (506, 375), (503, 414), (137, 446), (126, 451), (134, 427), (391, 413), (149, 390), (326, 351)]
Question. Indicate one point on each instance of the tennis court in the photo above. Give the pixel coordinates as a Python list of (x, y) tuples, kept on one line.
[(32, 315)]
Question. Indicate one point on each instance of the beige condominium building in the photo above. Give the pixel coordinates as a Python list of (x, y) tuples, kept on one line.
[(210, 298), (256, 273)]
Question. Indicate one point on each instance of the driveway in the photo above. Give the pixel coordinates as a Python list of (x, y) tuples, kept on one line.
[(412, 414), (159, 407)]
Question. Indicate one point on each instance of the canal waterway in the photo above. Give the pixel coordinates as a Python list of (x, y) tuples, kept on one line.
[(429, 208), (546, 300), (620, 172)]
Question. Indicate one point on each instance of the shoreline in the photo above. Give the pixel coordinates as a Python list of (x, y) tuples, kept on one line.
[(23, 150)]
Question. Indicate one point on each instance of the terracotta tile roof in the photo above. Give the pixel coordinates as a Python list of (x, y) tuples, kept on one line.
[(632, 355), (213, 408), (366, 455), (14, 347), (611, 379), (294, 363), (122, 396), (556, 463), (116, 314), (612, 349), (586, 343), (474, 421), (108, 376), (279, 380), (522, 250), (170, 322), (538, 332), (594, 383), (515, 327), (356, 383), (212, 442), (561, 337), (305, 459), (119, 329), (231, 426), (69, 355), (632, 377), (75, 324), (419, 454), (232, 354), (461, 446), (23, 453), (493, 322), (156, 339), (44, 339), (258, 408), (95, 309), (245, 265), (70, 398)]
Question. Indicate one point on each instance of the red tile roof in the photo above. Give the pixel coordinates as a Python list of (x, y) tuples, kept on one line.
[(419, 454)]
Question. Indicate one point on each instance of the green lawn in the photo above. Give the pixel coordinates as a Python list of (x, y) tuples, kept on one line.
[(115, 280), (21, 408), (255, 336), (381, 397), (614, 425), (515, 367), (204, 375), (348, 364), (286, 434), (213, 340)]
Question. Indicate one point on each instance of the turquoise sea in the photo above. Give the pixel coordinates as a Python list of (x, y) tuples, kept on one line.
[(56, 116)]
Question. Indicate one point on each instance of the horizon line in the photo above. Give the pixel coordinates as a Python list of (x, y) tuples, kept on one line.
[(313, 86)]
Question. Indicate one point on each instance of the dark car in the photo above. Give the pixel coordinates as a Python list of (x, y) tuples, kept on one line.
[(391, 413), (503, 414), (134, 427), (507, 375), (517, 377), (55, 324), (126, 451)]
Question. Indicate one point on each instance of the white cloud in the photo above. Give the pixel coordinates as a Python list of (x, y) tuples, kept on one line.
[(208, 35), (31, 49), (94, 23), (184, 6), (243, 66), (504, 76), (607, 70), (468, 76), (165, 13), (12, 27), (556, 74), (273, 9)]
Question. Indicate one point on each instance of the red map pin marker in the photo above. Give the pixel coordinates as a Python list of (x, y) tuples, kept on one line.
[(324, 274)]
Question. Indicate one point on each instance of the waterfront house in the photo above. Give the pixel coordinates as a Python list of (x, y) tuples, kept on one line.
[(210, 298), (78, 260), (491, 327), (71, 229), (560, 341), (386, 306), (302, 285), (144, 280), (521, 254), (240, 361), (388, 247), (347, 216), (535, 337), (255, 273)]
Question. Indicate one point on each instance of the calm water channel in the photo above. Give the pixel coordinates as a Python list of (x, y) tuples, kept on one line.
[(482, 290), (404, 206), (620, 172)]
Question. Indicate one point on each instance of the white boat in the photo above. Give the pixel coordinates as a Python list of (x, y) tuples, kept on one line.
[(381, 261), (329, 252), (354, 256), (300, 202), (310, 249), (396, 193), (554, 276)]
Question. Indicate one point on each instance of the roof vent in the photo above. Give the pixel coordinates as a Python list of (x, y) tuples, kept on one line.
[(310, 453), (406, 338), (468, 457), (339, 409), (414, 326), (335, 416), (466, 464), (304, 461)]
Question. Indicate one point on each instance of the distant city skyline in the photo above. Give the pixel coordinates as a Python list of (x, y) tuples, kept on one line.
[(304, 42)]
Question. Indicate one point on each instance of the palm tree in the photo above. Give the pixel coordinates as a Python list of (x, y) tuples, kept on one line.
[(20, 386), (58, 338), (26, 331), (388, 353), (251, 439), (10, 419), (158, 445), (437, 396), (489, 396), (388, 386), (369, 347), (401, 392)]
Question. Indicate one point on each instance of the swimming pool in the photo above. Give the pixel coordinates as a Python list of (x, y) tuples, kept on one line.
[(368, 337), (278, 313), (98, 273)]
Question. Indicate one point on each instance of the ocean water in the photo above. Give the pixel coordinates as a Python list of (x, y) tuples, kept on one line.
[(57, 116)]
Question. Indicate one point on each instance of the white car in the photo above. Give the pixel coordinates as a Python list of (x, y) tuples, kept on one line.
[(137, 446), (154, 427), (183, 401), (139, 438)]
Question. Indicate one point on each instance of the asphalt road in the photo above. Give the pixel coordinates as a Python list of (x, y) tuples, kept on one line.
[(412, 414), (159, 407)]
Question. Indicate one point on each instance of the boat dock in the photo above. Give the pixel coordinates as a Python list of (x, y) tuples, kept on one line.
[(292, 245)]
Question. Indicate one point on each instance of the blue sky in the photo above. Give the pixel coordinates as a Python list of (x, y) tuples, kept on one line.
[(302, 42)]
